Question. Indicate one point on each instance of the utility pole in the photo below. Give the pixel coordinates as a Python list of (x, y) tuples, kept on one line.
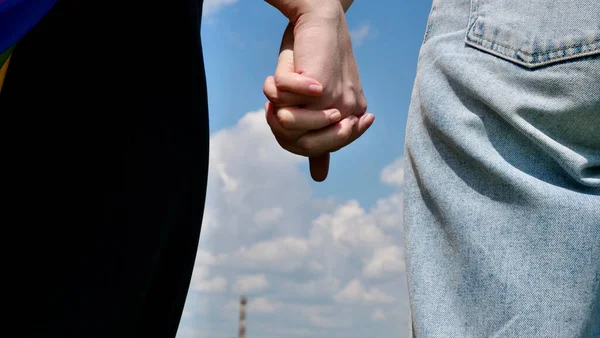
[(243, 302)]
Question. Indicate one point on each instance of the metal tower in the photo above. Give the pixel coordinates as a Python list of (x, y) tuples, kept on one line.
[(242, 333)]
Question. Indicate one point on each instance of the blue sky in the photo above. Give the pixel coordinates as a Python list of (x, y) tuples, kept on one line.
[(315, 259)]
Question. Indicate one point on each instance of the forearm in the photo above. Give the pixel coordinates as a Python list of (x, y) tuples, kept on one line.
[(293, 9)]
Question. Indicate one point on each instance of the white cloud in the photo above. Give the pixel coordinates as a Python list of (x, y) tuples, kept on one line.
[(316, 317), (252, 179), (230, 184), (324, 204), (317, 289), (378, 315), (263, 305), (232, 306), (250, 283), (280, 331), (320, 321), (201, 282), (389, 212), (268, 216), (349, 226), (359, 34), (281, 254), (387, 260), (355, 292), (265, 233), (316, 266), (200, 277), (212, 6), (205, 258), (393, 174)]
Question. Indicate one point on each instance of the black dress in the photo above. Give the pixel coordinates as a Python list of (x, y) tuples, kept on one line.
[(105, 160)]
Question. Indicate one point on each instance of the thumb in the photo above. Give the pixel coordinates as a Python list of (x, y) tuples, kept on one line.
[(319, 167), (286, 78)]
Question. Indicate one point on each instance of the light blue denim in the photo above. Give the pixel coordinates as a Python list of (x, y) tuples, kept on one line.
[(502, 171)]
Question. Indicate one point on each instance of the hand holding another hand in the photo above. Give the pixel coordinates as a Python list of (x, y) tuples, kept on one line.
[(316, 101)]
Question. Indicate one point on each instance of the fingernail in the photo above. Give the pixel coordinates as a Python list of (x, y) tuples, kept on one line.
[(368, 117), (314, 88), (335, 117)]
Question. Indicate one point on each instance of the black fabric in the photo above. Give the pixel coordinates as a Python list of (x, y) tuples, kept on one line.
[(105, 154)]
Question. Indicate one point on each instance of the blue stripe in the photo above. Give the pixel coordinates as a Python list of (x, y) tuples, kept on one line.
[(17, 17)]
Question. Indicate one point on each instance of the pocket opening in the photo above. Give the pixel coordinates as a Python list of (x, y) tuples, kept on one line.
[(533, 39)]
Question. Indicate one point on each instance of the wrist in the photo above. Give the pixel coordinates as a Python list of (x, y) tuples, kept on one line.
[(294, 9)]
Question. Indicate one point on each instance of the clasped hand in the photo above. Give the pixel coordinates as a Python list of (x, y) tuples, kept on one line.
[(316, 103)]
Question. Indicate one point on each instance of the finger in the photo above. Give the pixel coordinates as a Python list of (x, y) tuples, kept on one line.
[(288, 80), (333, 137), (316, 143), (364, 123), (278, 130), (282, 98), (296, 83), (361, 103), (294, 118), (319, 167)]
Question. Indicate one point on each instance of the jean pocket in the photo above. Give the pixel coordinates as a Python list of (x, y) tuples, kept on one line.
[(535, 33)]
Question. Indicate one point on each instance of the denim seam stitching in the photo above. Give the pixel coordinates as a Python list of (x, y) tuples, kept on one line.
[(471, 33), (472, 20), (514, 49)]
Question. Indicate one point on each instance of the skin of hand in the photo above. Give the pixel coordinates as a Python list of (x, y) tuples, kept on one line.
[(302, 131), (316, 84)]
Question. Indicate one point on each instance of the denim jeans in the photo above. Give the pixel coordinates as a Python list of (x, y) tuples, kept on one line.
[(502, 171)]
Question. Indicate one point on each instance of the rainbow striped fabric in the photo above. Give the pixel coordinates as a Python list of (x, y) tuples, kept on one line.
[(17, 17)]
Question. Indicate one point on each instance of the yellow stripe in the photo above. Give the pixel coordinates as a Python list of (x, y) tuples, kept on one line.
[(3, 72)]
